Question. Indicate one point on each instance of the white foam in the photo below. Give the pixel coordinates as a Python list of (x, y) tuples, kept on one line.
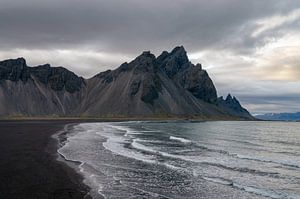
[(250, 189), (135, 144), (183, 140), (202, 160), (116, 145), (218, 180)]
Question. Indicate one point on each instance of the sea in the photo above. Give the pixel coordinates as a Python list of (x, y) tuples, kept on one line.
[(182, 159)]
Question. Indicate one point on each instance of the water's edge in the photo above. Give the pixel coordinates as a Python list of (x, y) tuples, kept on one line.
[(61, 139)]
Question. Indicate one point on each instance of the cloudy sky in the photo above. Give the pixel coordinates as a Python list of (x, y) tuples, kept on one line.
[(250, 48)]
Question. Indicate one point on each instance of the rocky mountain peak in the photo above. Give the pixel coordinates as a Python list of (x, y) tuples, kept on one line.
[(199, 66), (162, 56), (19, 62), (229, 98), (179, 50), (232, 100), (180, 55), (14, 69), (145, 55), (233, 106), (146, 62), (174, 62)]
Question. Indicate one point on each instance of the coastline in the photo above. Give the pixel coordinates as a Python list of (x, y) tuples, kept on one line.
[(81, 119), (29, 166), (61, 138)]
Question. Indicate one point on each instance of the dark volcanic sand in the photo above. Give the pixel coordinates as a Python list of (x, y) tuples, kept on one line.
[(28, 166)]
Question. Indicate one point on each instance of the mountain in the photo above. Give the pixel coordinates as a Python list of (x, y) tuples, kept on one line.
[(280, 116), (165, 86)]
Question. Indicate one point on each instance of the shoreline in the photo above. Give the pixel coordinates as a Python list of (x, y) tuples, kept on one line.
[(121, 119), (29, 165), (61, 138)]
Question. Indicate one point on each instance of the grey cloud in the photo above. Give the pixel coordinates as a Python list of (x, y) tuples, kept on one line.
[(128, 26)]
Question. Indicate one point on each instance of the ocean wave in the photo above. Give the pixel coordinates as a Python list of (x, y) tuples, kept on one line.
[(123, 129), (250, 189), (283, 163), (129, 131), (218, 180), (252, 158), (180, 139), (244, 170), (257, 148), (289, 143), (263, 192), (135, 144), (116, 146), (212, 150)]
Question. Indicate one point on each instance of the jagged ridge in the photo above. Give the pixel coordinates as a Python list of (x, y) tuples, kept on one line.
[(169, 85)]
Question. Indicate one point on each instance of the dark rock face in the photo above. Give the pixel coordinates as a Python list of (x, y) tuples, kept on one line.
[(177, 66), (14, 70), (58, 78), (146, 66), (106, 76), (42, 73), (151, 88), (174, 62), (38, 91), (145, 63), (232, 106), (135, 86), (197, 81), (147, 86)]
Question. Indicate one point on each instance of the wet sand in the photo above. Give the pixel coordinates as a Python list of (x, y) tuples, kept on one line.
[(28, 165)]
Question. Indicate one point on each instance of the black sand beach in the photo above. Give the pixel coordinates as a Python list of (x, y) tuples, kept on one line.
[(28, 165)]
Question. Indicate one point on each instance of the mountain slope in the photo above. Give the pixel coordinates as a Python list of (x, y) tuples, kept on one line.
[(38, 91), (166, 86)]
